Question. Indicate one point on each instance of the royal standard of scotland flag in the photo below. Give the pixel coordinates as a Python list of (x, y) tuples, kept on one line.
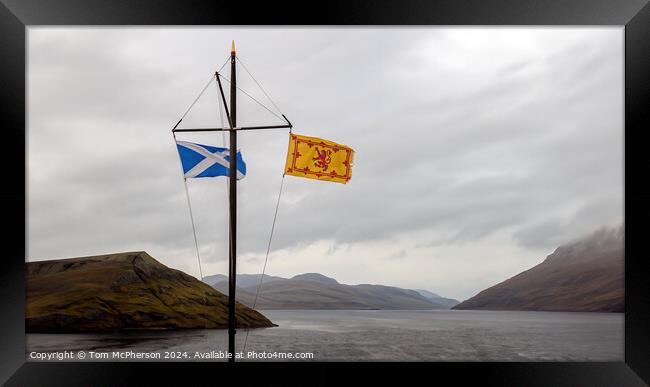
[(207, 161)]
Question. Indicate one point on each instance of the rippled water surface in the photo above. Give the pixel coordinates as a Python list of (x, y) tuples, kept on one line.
[(378, 335)]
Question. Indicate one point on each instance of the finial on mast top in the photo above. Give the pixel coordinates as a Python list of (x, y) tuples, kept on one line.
[(232, 50)]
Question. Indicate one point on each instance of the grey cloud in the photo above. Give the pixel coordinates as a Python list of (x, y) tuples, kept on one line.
[(533, 148)]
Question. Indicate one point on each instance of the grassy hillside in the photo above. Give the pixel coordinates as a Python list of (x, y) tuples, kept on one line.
[(123, 291)]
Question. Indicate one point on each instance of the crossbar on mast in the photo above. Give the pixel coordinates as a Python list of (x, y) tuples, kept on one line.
[(233, 129), (231, 114)]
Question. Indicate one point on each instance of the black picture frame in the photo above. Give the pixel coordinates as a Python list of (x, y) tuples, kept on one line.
[(17, 15)]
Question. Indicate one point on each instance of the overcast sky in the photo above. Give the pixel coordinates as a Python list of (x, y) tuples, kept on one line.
[(478, 150)]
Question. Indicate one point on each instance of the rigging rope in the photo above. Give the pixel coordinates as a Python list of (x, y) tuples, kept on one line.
[(224, 64), (253, 98), (258, 84), (277, 205), (197, 98), (187, 195), (202, 91), (266, 258), (196, 243), (221, 121)]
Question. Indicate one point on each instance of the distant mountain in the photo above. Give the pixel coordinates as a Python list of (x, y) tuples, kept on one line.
[(427, 293), (448, 303), (583, 276), (316, 277), (123, 291), (243, 280), (316, 291), (213, 279)]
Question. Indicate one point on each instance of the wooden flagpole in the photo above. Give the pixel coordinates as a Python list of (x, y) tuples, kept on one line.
[(232, 263), (231, 114)]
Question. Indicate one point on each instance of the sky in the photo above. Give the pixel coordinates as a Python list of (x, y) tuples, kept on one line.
[(478, 151)]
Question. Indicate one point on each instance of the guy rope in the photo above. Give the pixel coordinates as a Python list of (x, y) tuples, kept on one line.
[(308, 157)]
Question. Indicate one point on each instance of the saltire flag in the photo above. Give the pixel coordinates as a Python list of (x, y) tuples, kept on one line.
[(207, 161), (315, 158)]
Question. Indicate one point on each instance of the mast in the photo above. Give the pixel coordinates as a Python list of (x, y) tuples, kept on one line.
[(231, 114), (232, 263)]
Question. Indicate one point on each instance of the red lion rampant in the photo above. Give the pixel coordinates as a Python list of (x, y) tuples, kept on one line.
[(323, 158)]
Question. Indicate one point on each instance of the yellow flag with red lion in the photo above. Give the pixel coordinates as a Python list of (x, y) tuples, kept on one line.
[(315, 158)]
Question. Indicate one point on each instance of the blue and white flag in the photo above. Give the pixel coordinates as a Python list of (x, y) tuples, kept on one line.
[(207, 161)]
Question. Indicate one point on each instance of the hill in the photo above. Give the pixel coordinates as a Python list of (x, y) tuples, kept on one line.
[(123, 291), (583, 276), (243, 280), (447, 303), (316, 291)]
